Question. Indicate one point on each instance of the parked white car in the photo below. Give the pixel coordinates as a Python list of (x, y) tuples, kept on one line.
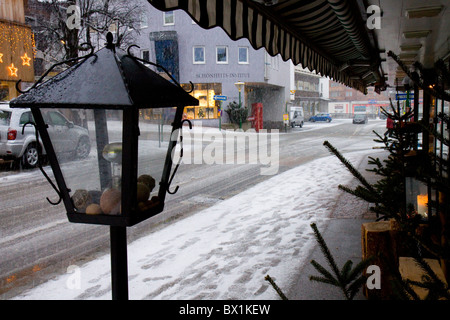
[(14, 145)]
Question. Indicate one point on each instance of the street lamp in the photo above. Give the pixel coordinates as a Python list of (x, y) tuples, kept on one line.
[(117, 185), (240, 86)]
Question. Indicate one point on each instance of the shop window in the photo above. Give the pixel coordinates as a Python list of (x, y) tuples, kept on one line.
[(208, 107), (210, 113)]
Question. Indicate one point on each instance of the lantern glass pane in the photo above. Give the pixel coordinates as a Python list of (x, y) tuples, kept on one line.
[(155, 127), (416, 196), (88, 148)]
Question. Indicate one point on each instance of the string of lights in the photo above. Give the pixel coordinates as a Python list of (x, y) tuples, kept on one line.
[(17, 48)]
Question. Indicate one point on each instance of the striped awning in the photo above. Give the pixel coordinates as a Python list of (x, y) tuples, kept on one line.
[(325, 36)]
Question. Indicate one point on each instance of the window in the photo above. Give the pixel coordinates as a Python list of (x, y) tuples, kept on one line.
[(198, 53), (272, 62), (243, 55), (144, 20), (5, 117), (169, 18), (348, 93), (208, 107), (146, 55), (26, 117), (56, 118), (222, 54)]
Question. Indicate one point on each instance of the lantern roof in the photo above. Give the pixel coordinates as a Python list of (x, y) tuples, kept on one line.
[(108, 79)]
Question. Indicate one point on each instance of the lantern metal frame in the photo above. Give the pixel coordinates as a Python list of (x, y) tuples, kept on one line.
[(130, 214), (416, 189), (134, 95)]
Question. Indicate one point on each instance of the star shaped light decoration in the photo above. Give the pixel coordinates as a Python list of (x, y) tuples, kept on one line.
[(25, 60), (1, 56), (12, 70)]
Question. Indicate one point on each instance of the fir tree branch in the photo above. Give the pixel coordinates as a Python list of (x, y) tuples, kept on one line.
[(327, 276), (349, 166), (347, 279), (277, 289), (326, 251), (355, 286)]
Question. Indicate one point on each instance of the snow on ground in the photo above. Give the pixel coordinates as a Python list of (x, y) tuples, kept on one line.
[(224, 251)]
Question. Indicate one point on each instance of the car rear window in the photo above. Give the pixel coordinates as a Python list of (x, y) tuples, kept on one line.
[(5, 117)]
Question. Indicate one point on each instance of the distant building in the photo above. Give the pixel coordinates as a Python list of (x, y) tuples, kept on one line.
[(214, 63), (16, 49), (345, 101), (311, 92)]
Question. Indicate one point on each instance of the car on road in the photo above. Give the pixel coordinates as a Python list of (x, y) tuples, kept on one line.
[(360, 118), (296, 117), (321, 117), (19, 143)]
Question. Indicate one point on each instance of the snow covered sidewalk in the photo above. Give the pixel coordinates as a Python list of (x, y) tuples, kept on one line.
[(225, 251)]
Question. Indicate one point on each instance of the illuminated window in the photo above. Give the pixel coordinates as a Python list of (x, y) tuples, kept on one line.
[(208, 107)]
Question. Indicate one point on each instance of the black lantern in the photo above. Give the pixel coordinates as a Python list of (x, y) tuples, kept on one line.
[(416, 197), (416, 191), (99, 112)]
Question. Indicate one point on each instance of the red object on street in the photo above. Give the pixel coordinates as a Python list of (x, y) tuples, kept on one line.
[(389, 123), (257, 116)]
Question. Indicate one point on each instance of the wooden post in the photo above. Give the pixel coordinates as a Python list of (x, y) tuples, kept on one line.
[(377, 243)]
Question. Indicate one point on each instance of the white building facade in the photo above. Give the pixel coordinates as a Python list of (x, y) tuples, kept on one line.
[(214, 63)]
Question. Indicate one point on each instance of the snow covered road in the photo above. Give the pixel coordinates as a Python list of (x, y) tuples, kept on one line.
[(224, 251)]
